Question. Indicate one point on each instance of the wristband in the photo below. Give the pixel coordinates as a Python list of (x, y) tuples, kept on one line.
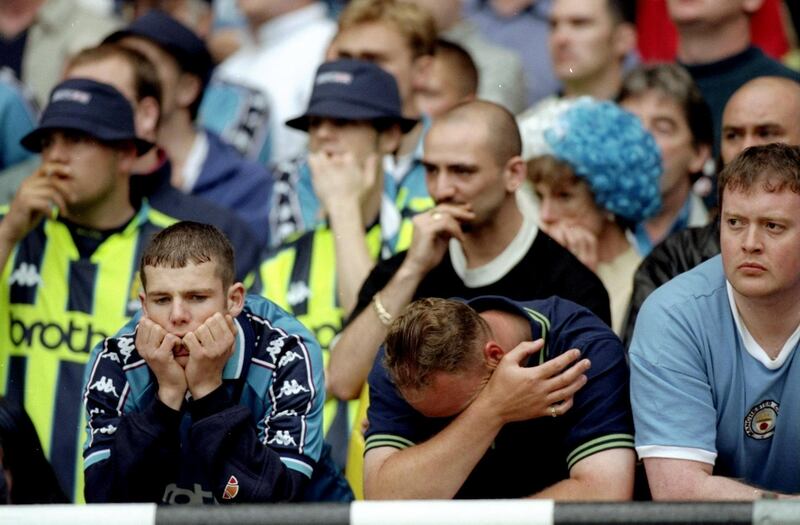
[(383, 316)]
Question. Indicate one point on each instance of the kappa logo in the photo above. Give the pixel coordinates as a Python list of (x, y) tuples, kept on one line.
[(112, 357), (297, 293), (286, 413), (105, 385), (125, 346), (109, 429), (760, 422), (289, 357), (275, 347), (25, 275), (291, 388), (231, 488), (283, 438)]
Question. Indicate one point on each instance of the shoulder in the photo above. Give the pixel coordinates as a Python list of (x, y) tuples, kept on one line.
[(270, 320)]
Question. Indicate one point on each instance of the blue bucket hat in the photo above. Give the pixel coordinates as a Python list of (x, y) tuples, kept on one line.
[(88, 106), (179, 41), (610, 149), (353, 90)]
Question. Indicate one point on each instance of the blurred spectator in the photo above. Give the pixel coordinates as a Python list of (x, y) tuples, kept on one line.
[(752, 117), (501, 78), (69, 245), (672, 109), (136, 78), (596, 175), (38, 36), (17, 118), (27, 477), (353, 119), (268, 80), (451, 80), (521, 26), (202, 164), (588, 43), (714, 45), (476, 241)]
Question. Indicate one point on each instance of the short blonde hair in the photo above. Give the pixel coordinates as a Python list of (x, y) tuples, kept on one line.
[(413, 22)]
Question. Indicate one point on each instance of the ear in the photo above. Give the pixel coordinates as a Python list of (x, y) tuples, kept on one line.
[(147, 114), (514, 173), (142, 297), (389, 140), (189, 88), (492, 354), (702, 152), (624, 39), (235, 299)]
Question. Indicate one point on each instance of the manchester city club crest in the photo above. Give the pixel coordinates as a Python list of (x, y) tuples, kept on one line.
[(760, 422)]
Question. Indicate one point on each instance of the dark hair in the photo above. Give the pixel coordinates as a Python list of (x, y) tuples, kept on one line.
[(457, 58), (32, 476), (622, 11), (428, 337), (145, 77), (775, 166), (675, 82), (188, 242)]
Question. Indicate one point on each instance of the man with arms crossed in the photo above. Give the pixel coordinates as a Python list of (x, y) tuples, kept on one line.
[(211, 396), (464, 405), (714, 386)]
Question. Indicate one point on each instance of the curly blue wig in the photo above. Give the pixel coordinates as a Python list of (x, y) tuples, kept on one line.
[(613, 152)]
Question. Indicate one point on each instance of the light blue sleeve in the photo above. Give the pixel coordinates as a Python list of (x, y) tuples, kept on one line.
[(671, 392), (17, 119)]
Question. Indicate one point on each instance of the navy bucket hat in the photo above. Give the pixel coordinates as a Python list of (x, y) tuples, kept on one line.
[(353, 90), (88, 106), (182, 43)]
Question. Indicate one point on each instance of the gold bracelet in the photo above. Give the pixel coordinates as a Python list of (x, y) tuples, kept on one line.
[(383, 316)]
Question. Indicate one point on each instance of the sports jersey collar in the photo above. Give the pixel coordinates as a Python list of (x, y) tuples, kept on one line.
[(752, 347), (235, 364)]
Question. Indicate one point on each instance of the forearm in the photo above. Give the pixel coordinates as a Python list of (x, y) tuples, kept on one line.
[(226, 444), (352, 356), (439, 466), (353, 261), (7, 243)]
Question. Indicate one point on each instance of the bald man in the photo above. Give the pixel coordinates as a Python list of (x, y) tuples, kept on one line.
[(762, 111), (476, 241)]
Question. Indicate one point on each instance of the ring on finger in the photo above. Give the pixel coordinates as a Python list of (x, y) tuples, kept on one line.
[(553, 412), (436, 215)]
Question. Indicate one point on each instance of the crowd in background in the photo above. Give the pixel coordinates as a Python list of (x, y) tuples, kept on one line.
[(360, 155)]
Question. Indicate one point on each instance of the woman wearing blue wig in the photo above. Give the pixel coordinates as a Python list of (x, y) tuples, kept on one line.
[(596, 172)]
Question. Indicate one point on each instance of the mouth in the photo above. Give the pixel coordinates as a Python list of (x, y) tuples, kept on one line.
[(751, 267), (180, 350)]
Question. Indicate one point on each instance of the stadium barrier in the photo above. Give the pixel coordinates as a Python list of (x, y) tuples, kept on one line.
[(481, 512)]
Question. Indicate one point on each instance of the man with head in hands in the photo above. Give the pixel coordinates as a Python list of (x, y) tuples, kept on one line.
[(466, 392)]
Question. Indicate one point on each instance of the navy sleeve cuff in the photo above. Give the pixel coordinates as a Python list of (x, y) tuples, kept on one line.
[(210, 404), (164, 415)]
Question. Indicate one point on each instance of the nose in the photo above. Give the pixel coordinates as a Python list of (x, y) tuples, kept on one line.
[(547, 211), (752, 239), (179, 313), (323, 129), (441, 187), (56, 149)]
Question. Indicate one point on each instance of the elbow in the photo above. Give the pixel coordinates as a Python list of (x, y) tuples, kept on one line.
[(342, 385)]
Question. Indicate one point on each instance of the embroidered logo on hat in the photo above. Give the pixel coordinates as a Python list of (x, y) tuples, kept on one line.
[(73, 95), (231, 489), (334, 77)]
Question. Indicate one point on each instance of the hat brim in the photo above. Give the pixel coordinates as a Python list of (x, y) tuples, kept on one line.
[(33, 140), (347, 111)]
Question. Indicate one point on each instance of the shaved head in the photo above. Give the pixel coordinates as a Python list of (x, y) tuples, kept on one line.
[(762, 111), (497, 124)]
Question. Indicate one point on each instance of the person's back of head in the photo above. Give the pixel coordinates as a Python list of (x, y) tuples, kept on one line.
[(762, 111), (451, 80)]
